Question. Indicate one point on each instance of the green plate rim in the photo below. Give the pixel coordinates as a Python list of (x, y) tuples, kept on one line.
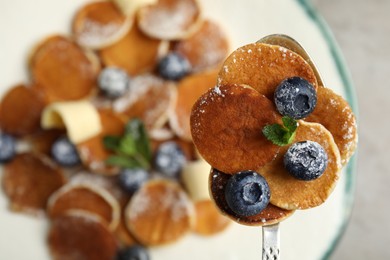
[(351, 97)]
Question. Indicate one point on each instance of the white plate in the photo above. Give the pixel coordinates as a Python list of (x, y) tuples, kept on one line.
[(310, 234)]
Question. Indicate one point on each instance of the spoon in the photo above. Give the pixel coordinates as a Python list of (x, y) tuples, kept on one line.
[(271, 233)]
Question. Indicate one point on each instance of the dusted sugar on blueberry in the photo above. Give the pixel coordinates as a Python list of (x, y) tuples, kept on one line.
[(306, 160), (135, 252), (7, 147), (295, 97), (132, 179), (113, 82), (173, 66), (247, 193), (169, 159), (64, 152)]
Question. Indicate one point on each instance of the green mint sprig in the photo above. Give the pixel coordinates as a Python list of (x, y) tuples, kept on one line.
[(281, 134), (132, 150)]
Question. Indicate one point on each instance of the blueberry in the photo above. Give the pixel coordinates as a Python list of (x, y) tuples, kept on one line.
[(295, 97), (7, 147), (113, 82), (306, 160), (173, 66), (169, 159), (247, 193), (132, 179), (135, 252), (64, 152)]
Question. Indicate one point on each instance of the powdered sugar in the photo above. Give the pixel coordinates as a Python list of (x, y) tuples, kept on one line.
[(169, 21), (94, 33)]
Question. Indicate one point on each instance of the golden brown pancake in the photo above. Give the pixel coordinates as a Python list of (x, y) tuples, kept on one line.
[(206, 48), (80, 236), (263, 67), (333, 112), (136, 53), (290, 193), (226, 127), (99, 24), (208, 219), (188, 91), (269, 216), (62, 70), (159, 213), (170, 19), (90, 198), (92, 151), (149, 99), (29, 180), (20, 110)]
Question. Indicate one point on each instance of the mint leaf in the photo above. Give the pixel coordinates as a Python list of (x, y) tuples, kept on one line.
[(111, 142), (137, 130), (289, 123), (132, 149), (275, 133), (127, 145), (122, 161), (281, 134)]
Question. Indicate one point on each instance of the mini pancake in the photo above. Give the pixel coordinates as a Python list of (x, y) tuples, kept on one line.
[(149, 99), (333, 112), (42, 141), (206, 48), (188, 91), (170, 19), (99, 24), (80, 235), (62, 70), (290, 193), (92, 151), (135, 53), (263, 67), (29, 180), (159, 213), (269, 216), (20, 110), (226, 127), (82, 197), (110, 184), (209, 220)]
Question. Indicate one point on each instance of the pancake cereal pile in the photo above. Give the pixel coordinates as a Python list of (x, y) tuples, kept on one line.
[(106, 119), (275, 138)]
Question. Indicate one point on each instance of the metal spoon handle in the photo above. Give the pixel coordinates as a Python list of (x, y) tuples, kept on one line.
[(271, 242)]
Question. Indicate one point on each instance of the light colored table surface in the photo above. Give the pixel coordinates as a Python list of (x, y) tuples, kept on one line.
[(362, 29)]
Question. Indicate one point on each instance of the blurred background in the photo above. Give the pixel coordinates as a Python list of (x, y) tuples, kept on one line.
[(362, 30)]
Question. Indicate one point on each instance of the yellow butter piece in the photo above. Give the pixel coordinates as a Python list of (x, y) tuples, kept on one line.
[(129, 7), (195, 176), (79, 118)]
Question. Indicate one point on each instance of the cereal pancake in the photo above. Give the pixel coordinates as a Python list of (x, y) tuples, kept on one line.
[(29, 180), (263, 67), (170, 19), (100, 24), (226, 127), (62, 70), (290, 193)]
